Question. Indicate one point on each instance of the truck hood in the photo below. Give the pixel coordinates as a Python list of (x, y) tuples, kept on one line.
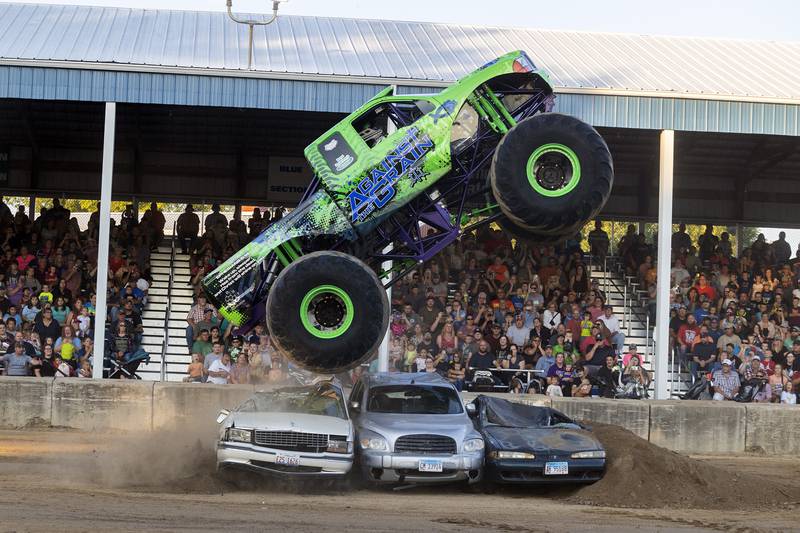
[(559, 441), (299, 422)]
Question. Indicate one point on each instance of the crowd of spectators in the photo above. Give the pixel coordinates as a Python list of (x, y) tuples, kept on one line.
[(48, 270), (519, 317), (220, 238), (511, 316), (486, 313), (530, 317), (737, 319)]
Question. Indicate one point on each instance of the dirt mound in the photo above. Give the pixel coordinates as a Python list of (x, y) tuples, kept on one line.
[(641, 474)]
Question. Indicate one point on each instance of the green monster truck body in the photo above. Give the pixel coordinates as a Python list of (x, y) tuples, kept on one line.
[(398, 180)]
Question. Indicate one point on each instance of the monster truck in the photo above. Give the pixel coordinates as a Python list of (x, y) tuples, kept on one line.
[(397, 181)]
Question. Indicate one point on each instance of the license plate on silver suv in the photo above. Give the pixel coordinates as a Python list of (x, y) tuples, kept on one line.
[(430, 465)]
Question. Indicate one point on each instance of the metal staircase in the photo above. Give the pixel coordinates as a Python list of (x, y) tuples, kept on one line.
[(164, 319), (629, 299)]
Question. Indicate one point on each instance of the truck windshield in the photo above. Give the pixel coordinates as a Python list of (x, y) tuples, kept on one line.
[(414, 399), (314, 400)]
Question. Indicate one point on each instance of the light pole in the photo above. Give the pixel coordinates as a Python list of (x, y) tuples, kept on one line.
[(252, 22)]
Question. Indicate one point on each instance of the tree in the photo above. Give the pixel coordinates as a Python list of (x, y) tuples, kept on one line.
[(616, 229)]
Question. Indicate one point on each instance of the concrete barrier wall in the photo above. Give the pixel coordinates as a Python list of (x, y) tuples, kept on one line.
[(175, 403), (633, 415), (691, 427), (698, 427), (775, 429), (102, 404), (25, 402)]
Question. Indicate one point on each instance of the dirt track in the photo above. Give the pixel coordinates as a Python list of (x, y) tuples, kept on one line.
[(49, 481)]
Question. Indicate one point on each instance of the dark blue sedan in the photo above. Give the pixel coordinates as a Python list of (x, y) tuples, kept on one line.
[(536, 445)]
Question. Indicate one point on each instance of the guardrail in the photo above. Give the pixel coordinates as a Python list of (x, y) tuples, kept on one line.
[(168, 307)]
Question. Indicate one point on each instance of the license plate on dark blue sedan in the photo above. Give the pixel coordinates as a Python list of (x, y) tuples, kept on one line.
[(556, 468)]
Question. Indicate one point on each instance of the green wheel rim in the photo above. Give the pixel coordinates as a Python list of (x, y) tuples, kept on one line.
[(553, 170), (326, 311)]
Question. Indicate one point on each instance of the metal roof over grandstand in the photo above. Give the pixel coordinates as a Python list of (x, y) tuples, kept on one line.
[(334, 64), (393, 50)]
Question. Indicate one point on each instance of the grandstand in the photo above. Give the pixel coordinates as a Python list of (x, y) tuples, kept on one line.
[(192, 124)]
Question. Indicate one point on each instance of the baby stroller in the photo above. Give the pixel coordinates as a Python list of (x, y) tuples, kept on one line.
[(126, 367), (749, 390), (700, 390)]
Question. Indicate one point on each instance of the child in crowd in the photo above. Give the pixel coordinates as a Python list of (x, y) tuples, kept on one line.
[(195, 370), (788, 396), (419, 361), (84, 323), (553, 388)]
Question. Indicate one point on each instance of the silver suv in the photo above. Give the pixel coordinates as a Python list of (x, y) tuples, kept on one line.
[(413, 428)]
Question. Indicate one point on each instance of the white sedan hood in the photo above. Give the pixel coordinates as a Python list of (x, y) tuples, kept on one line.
[(299, 422)]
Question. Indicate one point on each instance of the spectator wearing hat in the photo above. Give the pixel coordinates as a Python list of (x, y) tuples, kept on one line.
[(518, 334), (749, 368), (726, 383), (633, 351), (686, 336), (729, 337), (714, 328), (197, 314)]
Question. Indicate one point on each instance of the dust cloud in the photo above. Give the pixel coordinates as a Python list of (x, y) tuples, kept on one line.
[(181, 458)]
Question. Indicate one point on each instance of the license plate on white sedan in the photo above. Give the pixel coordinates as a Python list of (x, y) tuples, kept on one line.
[(556, 469), (430, 465), (287, 460)]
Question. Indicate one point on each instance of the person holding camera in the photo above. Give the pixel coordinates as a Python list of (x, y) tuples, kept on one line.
[(635, 373)]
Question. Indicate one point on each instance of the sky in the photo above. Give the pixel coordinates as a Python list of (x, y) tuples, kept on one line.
[(739, 19)]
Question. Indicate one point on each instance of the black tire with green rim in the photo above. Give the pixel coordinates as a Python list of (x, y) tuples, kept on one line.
[(327, 312), (551, 173)]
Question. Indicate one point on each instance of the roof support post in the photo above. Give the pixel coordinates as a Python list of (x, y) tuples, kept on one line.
[(104, 240), (739, 237), (383, 349), (665, 193)]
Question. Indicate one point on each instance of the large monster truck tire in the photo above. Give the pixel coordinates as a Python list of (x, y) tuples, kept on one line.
[(551, 173), (327, 312)]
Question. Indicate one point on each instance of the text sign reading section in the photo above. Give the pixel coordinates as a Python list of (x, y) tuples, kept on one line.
[(288, 179)]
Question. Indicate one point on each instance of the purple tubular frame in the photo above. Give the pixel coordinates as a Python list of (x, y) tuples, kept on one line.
[(443, 213)]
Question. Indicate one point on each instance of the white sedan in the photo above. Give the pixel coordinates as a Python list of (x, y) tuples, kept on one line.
[(292, 431)]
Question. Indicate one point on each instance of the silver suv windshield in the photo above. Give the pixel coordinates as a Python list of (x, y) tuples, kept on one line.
[(414, 399), (320, 399)]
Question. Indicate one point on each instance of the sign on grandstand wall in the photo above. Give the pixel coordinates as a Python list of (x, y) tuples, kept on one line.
[(287, 179), (4, 155)]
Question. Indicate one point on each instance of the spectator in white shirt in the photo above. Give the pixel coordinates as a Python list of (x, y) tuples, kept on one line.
[(220, 370), (518, 333), (551, 317), (611, 322)]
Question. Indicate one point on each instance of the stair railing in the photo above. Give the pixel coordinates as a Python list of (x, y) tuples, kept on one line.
[(168, 307)]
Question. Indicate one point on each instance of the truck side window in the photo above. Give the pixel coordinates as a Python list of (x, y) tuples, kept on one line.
[(464, 127), (377, 123)]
